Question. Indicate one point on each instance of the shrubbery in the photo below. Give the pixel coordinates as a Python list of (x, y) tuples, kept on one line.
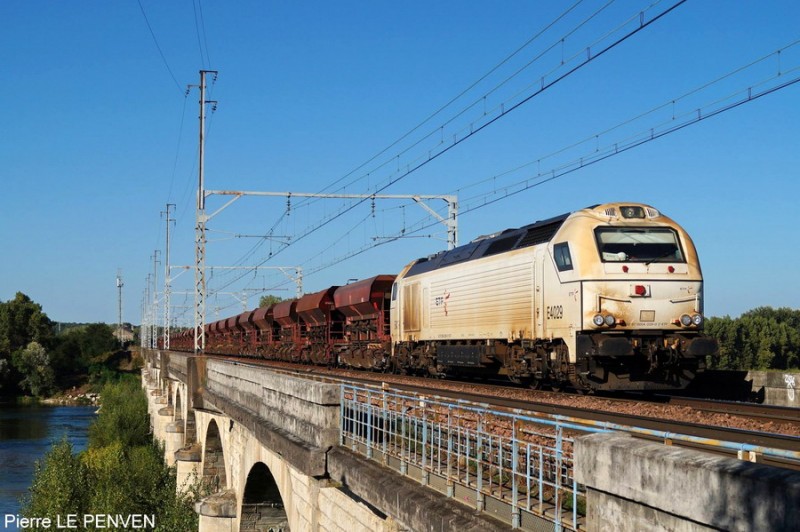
[(121, 473)]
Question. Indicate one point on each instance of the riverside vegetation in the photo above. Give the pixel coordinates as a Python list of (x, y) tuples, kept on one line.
[(40, 358), (121, 473)]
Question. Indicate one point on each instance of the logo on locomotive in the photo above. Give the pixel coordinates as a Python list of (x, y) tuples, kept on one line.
[(441, 301)]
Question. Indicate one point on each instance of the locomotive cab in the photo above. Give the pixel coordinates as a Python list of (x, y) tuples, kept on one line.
[(641, 309)]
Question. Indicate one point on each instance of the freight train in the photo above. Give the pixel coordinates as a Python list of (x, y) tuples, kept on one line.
[(605, 298)]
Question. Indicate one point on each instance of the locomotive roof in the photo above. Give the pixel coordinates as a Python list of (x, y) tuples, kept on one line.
[(484, 246)]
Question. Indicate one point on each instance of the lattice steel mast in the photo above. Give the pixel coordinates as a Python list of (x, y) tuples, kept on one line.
[(200, 230)]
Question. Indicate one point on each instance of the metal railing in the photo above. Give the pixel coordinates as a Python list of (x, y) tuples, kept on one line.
[(517, 467)]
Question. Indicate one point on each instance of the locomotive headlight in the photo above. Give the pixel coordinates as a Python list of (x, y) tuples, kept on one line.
[(697, 319), (610, 320), (686, 320), (598, 320)]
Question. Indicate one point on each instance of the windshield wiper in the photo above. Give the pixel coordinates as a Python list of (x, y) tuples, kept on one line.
[(649, 262)]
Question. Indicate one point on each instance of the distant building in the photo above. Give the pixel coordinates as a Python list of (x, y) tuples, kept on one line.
[(126, 334)]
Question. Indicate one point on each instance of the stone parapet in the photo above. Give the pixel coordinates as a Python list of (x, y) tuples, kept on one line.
[(419, 508), (780, 388), (308, 411), (637, 485)]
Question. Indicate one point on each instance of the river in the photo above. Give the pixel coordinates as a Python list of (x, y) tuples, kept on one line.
[(26, 433)]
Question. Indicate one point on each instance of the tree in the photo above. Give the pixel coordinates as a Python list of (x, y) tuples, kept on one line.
[(97, 339), (762, 338), (268, 300), (66, 357), (21, 322), (33, 363)]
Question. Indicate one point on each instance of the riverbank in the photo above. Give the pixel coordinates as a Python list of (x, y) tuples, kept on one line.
[(83, 396)]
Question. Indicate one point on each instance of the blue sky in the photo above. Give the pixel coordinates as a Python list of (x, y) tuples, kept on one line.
[(98, 135)]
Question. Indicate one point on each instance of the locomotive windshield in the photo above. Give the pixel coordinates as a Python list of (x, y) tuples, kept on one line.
[(638, 244)]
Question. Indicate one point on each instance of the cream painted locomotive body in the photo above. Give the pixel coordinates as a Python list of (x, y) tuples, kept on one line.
[(609, 297)]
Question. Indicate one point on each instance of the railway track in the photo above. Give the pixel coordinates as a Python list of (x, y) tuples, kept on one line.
[(766, 413), (579, 414)]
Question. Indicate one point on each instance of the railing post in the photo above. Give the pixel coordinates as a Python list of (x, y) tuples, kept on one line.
[(424, 479), (514, 463), (385, 431), (369, 424), (479, 466), (559, 458), (341, 416)]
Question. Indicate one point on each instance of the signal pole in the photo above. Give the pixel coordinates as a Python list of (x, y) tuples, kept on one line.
[(119, 308)]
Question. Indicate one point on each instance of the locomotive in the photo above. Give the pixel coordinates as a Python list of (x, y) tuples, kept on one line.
[(604, 298)]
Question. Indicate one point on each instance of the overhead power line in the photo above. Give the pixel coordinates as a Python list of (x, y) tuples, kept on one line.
[(584, 58), (459, 95), (783, 77), (780, 79), (158, 47)]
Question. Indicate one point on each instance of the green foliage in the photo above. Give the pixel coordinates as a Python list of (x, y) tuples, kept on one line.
[(268, 300), (65, 358), (86, 349), (123, 416), (33, 364), (60, 484), (21, 322), (763, 338), (97, 338), (122, 472)]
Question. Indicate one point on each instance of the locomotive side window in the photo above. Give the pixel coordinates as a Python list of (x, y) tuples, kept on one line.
[(562, 256), (638, 244), (394, 291)]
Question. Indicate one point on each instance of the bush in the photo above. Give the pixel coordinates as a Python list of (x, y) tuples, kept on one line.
[(123, 416), (60, 484), (121, 473)]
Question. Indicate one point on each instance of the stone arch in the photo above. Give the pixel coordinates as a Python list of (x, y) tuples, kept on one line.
[(214, 459), (262, 504)]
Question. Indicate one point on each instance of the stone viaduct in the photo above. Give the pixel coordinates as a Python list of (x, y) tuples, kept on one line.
[(267, 447)]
